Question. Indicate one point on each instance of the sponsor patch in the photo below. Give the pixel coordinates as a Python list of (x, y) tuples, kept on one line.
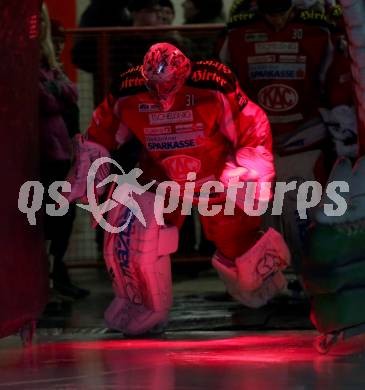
[(148, 107), (160, 143), (157, 130), (261, 59), (256, 37), (162, 118), (178, 167), (184, 128), (276, 47), (189, 127), (292, 58), (285, 118), (199, 126), (277, 71), (278, 97)]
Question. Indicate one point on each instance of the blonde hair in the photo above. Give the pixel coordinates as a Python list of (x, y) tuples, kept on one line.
[(46, 44)]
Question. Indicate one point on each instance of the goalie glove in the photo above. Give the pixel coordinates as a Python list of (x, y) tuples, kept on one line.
[(251, 165), (86, 152)]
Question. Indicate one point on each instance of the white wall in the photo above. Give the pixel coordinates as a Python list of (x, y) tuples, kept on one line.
[(81, 5)]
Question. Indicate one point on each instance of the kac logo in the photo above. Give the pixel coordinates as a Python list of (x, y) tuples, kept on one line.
[(278, 97)]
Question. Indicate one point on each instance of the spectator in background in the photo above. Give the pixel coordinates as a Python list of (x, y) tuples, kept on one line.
[(71, 114), (145, 13), (202, 11), (106, 13), (100, 13), (204, 44), (57, 97), (58, 38), (115, 13), (168, 12), (85, 55)]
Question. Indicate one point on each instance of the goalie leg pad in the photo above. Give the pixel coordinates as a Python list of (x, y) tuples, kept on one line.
[(256, 298), (133, 319), (268, 256), (138, 261), (333, 312)]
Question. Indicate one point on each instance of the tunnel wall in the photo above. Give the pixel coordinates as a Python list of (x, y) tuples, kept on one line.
[(23, 265)]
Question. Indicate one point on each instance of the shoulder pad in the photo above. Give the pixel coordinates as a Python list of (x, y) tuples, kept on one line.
[(313, 17), (335, 17), (336, 11), (241, 6), (129, 82), (216, 76), (212, 75), (236, 7), (241, 13), (241, 19)]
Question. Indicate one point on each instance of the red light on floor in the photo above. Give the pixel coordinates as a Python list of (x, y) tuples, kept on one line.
[(265, 347)]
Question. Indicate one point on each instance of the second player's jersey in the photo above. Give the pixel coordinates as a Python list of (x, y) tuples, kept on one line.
[(283, 71)]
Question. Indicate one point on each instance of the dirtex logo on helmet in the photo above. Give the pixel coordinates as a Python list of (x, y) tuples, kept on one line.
[(251, 197)]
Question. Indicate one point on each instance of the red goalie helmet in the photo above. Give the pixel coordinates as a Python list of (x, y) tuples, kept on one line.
[(165, 70)]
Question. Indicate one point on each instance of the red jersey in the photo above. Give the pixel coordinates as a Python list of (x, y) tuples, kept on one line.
[(210, 119), (283, 71)]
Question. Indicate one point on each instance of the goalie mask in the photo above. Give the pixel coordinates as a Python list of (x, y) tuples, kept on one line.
[(165, 70)]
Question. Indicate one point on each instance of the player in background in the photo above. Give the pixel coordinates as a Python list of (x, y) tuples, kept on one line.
[(290, 59)]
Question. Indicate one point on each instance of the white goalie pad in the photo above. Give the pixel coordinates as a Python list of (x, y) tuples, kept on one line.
[(256, 276), (268, 256), (342, 124), (271, 287), (86, 152), (138, 261)]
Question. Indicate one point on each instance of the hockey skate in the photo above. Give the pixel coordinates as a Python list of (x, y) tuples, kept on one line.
[(326, 343)]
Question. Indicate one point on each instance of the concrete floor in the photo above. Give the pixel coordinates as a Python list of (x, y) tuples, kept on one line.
[(189, 361), (211, 342)]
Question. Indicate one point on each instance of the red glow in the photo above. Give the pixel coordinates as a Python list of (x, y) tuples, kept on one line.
[(281, 347), (253, 360)]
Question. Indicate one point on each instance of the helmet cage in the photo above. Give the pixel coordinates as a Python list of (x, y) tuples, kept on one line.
[(165, 70)]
